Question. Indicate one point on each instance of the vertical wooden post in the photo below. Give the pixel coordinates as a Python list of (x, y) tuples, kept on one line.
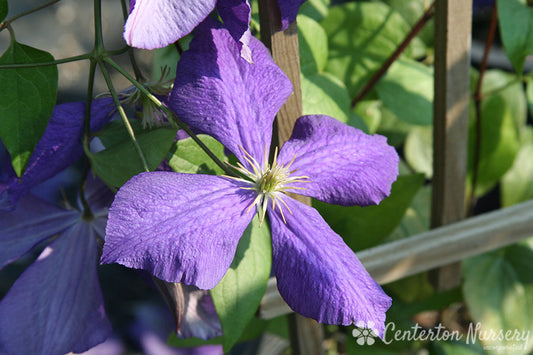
[(453, 22), (306, 334)]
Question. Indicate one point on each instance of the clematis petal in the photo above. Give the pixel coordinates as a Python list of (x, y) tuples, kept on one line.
[(289, 10), (60, 146), (219, 93), (29, 224), (179, 227), (158, 23), (236, 15), (318, 275), (56, 305), (345, 166)]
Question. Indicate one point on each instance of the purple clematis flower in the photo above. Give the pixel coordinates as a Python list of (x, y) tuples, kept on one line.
[(158, 23), (59, 147), (185, 228), (55, 306)]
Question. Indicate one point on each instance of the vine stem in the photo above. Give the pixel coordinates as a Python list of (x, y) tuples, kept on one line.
[(170, 116), (478, 98), (123, 116), (428, 14), (6, 23)]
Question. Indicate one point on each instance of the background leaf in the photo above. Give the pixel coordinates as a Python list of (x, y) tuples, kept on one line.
[(361, 37), (407, 90), (238, 294), (517, 184), (313, 46), (503, 111), (316, 9), (27, 99), (418, 150), (364, 227), (120, 162), (516, 27), (498, 289)]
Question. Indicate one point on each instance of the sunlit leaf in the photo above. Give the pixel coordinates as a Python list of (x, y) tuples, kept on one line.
[(187, 156), (407, 90), (27, 98), (418, 150), (316, 9), (517, 184), (516, 27), (313, 45), (364, 227), (502, 111), (362, 35), (238, 294), (498, 289)]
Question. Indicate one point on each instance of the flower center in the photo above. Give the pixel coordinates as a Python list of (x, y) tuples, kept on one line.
[(270, 182)]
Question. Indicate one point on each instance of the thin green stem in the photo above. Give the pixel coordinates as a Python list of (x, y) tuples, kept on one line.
[(45, 64), (123, 115), (171, 116), (98, 33), (90, 89), (6, 23)]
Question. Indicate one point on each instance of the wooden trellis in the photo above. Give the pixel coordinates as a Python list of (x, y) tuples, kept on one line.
[(451, 240)]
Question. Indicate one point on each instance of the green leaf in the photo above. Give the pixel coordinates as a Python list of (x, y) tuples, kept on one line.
[(119, 163), (509, 87), (3, 9), (187, 157), (417, 217), (502, 113), (407, 90), (364, 227), (517, 183), (516, 27), (27, 99), (238, 294), (362, 35), (324, 94), (313, 46), (418, 150), (370, 113), (498, 289), (315, 9), (412, 11)]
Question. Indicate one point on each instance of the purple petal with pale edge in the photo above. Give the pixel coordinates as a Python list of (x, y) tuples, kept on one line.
[(179, 227), (236, 15), (226, 97), (56, 305), (345, 165), (200, 319), (29, 224), (318, 275), (289, 10), (158, 23), (61, 144)]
